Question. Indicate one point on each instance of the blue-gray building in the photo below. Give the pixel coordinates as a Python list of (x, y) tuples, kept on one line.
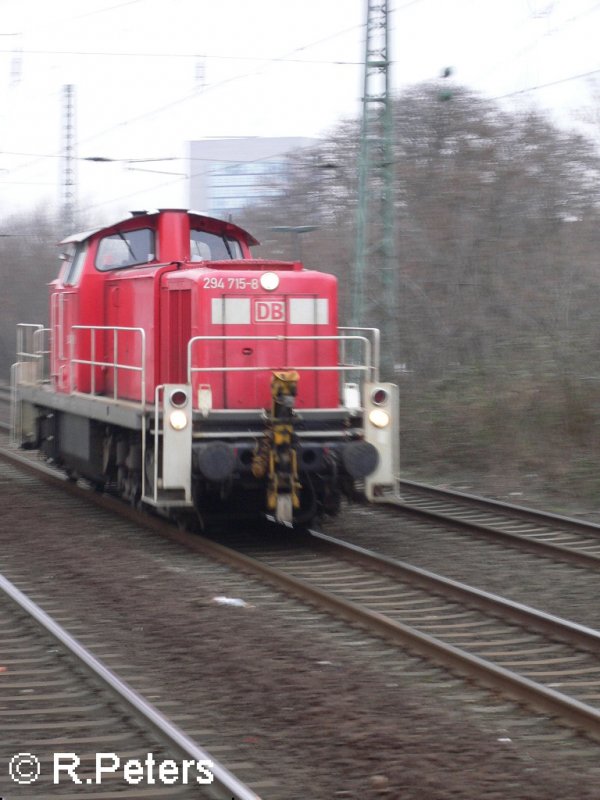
[(228, 174)]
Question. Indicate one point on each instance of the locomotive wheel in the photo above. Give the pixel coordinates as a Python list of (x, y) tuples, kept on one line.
[(190, 521)]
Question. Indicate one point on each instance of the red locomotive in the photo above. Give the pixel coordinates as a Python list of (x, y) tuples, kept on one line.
[(183, 373)]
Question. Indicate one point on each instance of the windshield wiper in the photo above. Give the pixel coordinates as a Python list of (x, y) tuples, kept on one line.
[(228, 248), (127, 245)]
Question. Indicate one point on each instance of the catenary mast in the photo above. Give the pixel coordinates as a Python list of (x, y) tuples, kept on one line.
[(375, 239), (68, 160)]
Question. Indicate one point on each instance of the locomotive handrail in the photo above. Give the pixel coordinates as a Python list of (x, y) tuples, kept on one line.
[(26, 340), (368, 367), (56, 323), (30, 352), (157, 392), (15, 406), (42, 353), (93, 362), (375, 343), (28, 369)]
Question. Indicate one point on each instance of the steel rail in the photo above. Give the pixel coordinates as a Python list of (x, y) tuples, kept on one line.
[(500, 506), (560, 552), (225, 783), (547, 624)]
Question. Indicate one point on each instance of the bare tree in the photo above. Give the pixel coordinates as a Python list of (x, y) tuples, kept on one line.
[(28, 261), (498, 281)]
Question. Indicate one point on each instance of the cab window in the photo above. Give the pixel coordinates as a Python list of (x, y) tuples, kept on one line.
[(205, 246), (75, 261), (125, 249)]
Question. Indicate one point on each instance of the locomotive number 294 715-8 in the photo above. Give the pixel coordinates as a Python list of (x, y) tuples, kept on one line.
[(213, 282)]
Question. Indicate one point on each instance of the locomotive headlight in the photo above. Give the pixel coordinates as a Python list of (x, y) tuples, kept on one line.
[(177, 420), (269, 281), (379, 418)]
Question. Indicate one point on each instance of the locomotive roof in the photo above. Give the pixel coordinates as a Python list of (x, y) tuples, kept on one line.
[(230, 227)]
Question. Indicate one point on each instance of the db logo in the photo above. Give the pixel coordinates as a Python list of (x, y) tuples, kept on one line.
[(269, 311)]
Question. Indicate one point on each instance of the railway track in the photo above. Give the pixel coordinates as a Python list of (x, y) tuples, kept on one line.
[(548, 663), (559, 537), (67, 721), (545, 662)]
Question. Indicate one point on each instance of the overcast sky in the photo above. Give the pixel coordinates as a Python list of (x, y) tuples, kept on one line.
[(150, 75)]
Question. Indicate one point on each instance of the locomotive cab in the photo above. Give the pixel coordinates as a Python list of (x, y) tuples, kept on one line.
[(190, 376)]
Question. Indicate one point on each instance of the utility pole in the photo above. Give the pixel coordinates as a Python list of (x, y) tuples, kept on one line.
[(68, 153), (375, 239)]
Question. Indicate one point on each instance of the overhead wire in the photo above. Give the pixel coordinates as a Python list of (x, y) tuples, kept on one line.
[(36, 26), (267, 62), (538, 86), (218, 85), (181, 179), (208, 56), (107, 8), (551, 32), (526, 48), (194, 95), (406, 5)]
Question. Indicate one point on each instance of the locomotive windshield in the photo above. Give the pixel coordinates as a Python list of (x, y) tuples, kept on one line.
[(205, 246), (75, 258), (125, 249)]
